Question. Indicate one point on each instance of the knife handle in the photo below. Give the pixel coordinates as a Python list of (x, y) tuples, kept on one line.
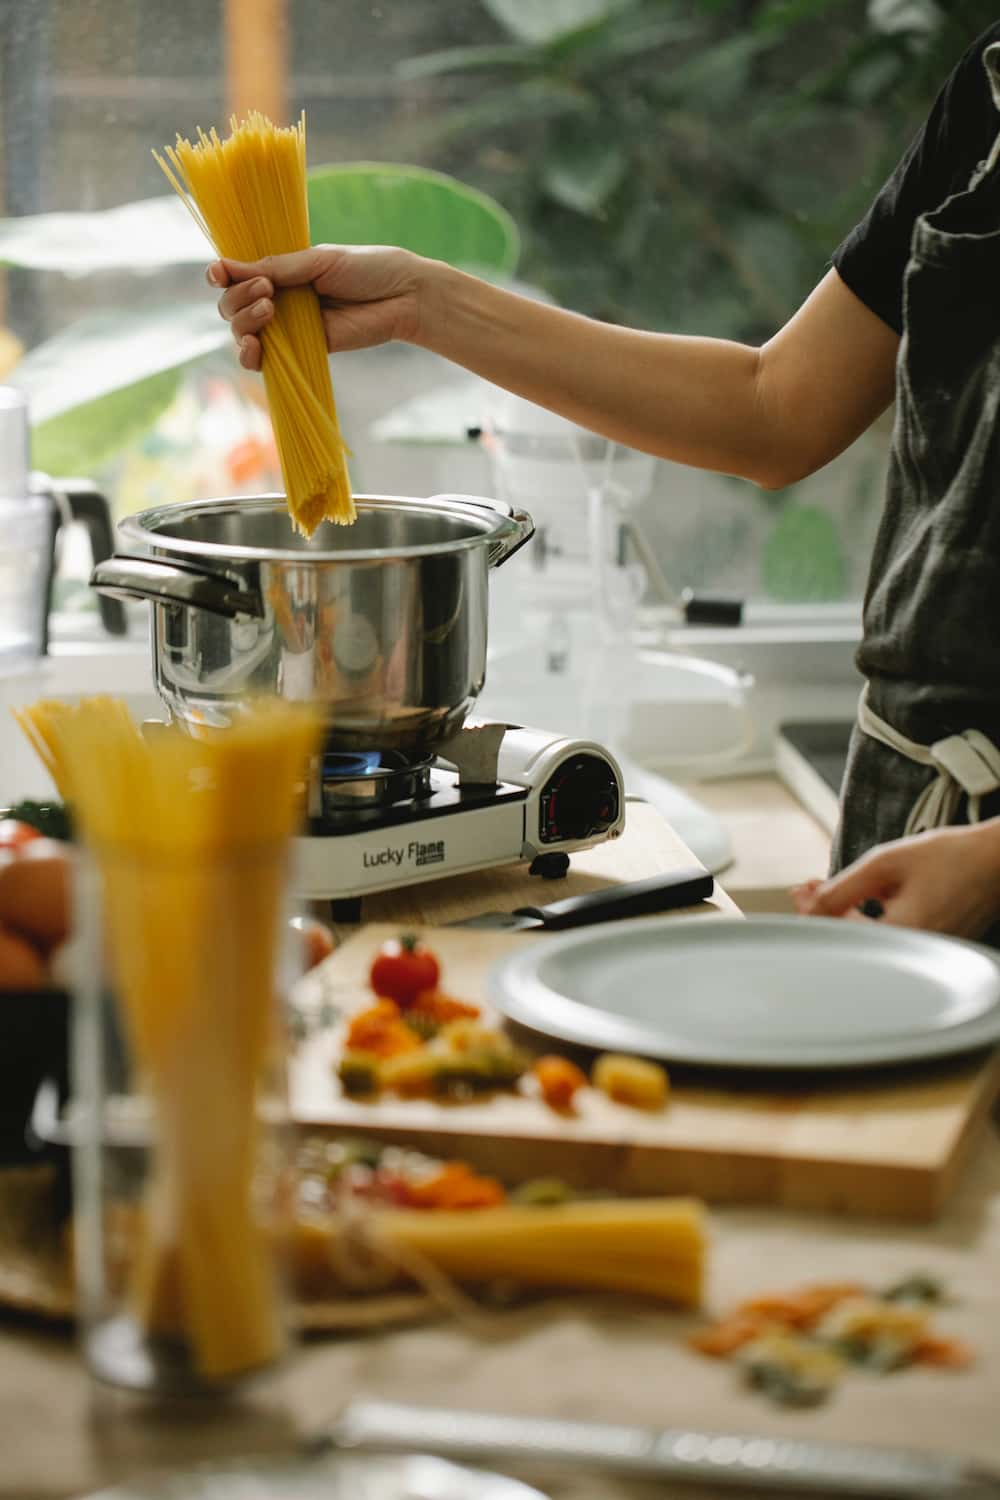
[(636, 898), (718, 1459)]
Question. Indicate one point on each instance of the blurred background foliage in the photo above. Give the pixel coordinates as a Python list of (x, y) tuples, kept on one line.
[(689, 164)]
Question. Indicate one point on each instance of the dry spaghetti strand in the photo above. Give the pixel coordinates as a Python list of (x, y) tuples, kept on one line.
[(191, 838), (248, 195)]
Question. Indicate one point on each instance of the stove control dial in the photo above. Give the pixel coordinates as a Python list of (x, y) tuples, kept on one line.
[(579, 800)]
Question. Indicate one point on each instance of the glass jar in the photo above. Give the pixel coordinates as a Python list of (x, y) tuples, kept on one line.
[(182, 1151)]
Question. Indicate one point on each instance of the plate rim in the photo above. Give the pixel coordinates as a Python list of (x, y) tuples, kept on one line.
[(574, 1022)]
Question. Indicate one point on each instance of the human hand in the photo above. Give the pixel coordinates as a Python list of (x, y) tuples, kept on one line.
[(947, 880), (369, 294)]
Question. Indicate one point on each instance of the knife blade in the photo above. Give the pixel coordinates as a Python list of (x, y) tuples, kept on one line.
[(743, 1461), (635, 898)]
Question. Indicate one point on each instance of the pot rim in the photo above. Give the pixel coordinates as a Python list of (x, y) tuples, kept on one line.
[(496, 522)]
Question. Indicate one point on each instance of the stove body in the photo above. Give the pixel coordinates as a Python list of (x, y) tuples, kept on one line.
[(495, 794)]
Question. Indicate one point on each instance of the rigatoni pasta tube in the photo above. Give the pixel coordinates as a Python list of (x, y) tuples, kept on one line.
[(653, 1247)]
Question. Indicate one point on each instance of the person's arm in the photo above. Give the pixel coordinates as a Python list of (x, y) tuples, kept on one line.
[(770, 415), (947, 880)]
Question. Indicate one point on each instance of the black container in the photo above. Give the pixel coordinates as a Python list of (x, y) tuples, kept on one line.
[(34, 1048)]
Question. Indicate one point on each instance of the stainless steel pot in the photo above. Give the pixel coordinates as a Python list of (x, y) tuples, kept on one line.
[(383, 622)]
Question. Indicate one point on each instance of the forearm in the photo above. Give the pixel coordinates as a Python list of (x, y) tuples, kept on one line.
[(687, 399), (712, 403), (771, 415)]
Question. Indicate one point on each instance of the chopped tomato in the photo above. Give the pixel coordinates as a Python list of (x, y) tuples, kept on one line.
[(456, 1185), (403, 969), (14, 834)]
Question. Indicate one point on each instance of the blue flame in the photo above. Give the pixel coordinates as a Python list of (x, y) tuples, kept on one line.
[(343, 765)]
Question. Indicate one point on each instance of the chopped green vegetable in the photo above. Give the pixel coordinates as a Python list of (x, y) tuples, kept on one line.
[(916, 1288), (540, 1192), (53, 819), (358, 1073)]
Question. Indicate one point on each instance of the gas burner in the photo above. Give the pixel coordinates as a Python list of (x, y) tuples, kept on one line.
[(372, 778)]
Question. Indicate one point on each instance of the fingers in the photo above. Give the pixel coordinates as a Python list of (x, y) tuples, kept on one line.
[(250, 352), (300, 268), (804, 895), (243, 294), (872, 879)]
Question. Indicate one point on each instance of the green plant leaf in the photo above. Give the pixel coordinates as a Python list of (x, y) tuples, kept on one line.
[(619, 39), (544, 20), (466, 60), (366, 203), (105, 352), (510, 107), (716, 76), (803, 557), (83, 439), (146, 235), (582, 170)]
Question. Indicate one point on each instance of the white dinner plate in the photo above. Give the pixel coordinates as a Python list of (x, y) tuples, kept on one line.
[(342, 1477), (767, 992)]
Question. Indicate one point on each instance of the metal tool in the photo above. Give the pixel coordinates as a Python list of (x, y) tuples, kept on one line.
[(636, 898), (777, 1465)]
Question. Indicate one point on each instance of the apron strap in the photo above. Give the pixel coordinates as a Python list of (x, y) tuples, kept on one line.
[(967, 764)]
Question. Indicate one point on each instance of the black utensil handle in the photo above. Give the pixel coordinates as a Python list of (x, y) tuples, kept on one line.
[(636, 898), (91, 509)]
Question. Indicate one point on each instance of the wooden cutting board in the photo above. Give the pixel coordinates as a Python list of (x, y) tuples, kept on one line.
[(886, 1145)]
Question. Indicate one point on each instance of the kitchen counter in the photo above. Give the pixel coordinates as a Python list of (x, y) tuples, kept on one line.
[(777, 844), (596, 1359)]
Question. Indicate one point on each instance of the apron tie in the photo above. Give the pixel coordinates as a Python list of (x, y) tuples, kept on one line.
[(967, 764)]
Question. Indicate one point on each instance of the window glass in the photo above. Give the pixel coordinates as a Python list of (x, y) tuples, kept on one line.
[(676, 165)]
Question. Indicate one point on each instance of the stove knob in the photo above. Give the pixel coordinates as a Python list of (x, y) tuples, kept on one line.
[(579, 801)]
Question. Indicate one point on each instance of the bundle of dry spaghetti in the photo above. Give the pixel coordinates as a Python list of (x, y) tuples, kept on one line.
[(248, 195), (191, 838)]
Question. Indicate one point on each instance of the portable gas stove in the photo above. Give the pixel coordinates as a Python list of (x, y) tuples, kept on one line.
[(495, 794)]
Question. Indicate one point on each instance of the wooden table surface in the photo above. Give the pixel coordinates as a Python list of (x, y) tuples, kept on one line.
[(593, 1359)]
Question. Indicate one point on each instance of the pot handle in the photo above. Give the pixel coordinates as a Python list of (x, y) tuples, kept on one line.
[(127, 577), (524, 526)]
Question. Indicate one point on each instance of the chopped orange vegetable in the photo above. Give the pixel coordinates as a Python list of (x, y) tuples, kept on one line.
[(559, 1079), (947, 1354), (727, 1335), (435, 1008), (801, 1309), (381, 1031), (456, 1185)]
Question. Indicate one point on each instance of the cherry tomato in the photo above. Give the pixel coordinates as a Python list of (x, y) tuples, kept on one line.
[(402, 969), (35, 893), (317, 940), (21, 965), (14, 834)]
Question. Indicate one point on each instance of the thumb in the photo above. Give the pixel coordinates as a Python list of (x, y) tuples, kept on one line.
[(871, 879), (298, 268)]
